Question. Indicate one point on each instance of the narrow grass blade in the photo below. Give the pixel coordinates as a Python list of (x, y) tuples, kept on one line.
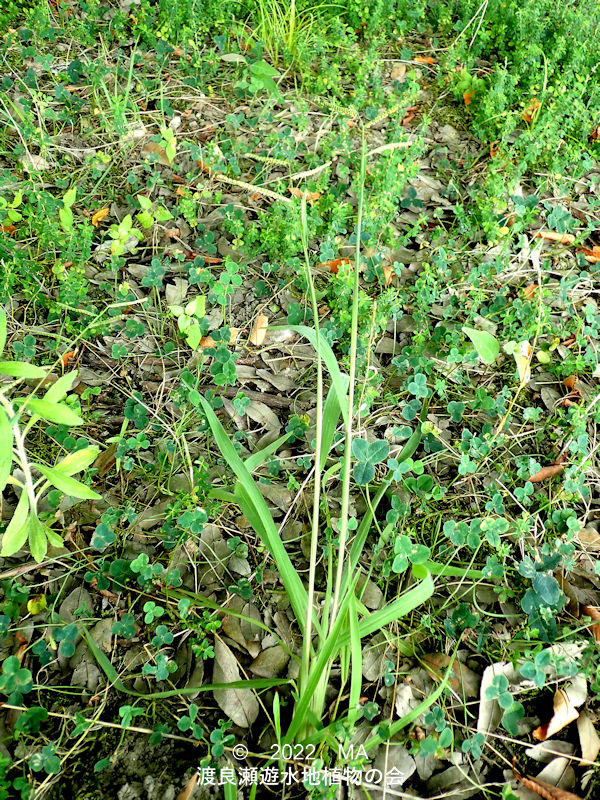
[(257, 513), (331, 363), (113, 677), (355, 662), (331, 416), (327, 653), (256, 460)]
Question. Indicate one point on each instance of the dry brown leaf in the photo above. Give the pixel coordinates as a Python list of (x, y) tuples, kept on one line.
[(388, 274), (10, 229), (99, 216), (310, 196), (106, 460), (463, 680), (532, 107), (555, 236), (594, 614), (259, 330), (67, 358), (424, 60), (529, 291), (334, 264), (172, 233), (398, 72), (592, 256), (545, 790), (188, 789), (153, 148), (546, 472), (589, 538), (468, 96), (206, 341), (564, 713), (588, 739)]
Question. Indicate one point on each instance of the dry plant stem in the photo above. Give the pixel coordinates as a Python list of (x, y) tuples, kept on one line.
[(314, 541), (352, 376)]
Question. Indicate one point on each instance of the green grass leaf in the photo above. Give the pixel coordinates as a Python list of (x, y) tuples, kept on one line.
[(6, 446), (67, 484), (20, 369), (52, 412), (15, 535), (3, 329)]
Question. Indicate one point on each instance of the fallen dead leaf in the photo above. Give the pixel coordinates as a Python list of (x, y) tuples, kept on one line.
[(259, 330), (532, 107), (564, 713), (589, 538), (463, 680), (153, 148), (592, 256), (424, 60), (334, 264), (468, 97), (188, 789), (546, 472), (206, 341), (588, 739), (106, 460), (299, 193), (10, 229), (67, 358), (594, 614), (172, 233), (523, 359), (543, 789), (570, 382), (99, 215), (555, 236), (529, 291), (388, 274), (398, 72), (240, 705)]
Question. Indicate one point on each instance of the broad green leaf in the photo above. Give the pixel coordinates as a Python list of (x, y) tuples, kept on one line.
[(487, 346), (360, 449), (77, 461), (52, 412), (70, 197), (2, 330), (6, 446), (193, 336), (20, 369), (15, 534), (145, 202), (363, 473), (67, 484), (58, 390), (378, 451), (38, 543), (54, 538)]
